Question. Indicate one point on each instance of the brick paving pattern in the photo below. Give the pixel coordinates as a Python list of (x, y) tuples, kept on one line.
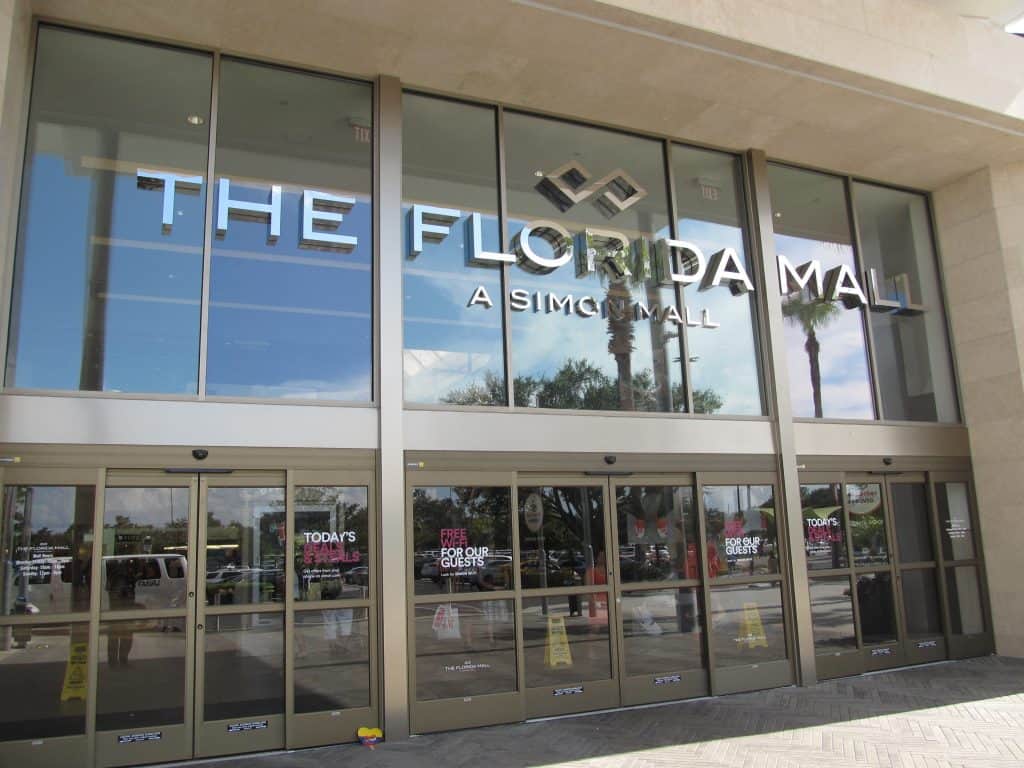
[(968, 713)]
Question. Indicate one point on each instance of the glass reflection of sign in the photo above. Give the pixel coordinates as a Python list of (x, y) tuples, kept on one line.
[(322, 547), (593, 251), (458, 558), (820, 533)]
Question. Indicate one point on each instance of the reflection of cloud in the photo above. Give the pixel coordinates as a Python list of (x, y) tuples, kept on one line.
[(433, 373), (353, 389)]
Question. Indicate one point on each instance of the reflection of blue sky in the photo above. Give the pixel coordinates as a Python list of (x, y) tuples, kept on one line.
[(152, 296), (288, 320), (449, 345), (542, 342), (53, 507), (722, 359), (845, 384), (156, 507)]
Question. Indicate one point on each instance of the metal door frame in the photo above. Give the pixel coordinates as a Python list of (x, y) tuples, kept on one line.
[(668, 684), (462, 711), (311, 729), (586, 695), (176, 740), (760, 675), (220, 737), (77, 749)]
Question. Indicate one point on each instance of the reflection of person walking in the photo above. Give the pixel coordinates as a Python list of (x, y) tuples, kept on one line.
[(121, 578)]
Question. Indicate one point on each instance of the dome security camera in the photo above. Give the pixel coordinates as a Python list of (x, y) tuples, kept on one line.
[(199, 453)]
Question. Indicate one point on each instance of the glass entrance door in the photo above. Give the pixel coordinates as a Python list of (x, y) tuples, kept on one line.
[(894, 574), (537, 595), (240, 583), (146, 651)]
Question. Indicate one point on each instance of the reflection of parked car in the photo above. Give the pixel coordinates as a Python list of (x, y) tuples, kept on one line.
[(144, 581), (249, 586), (496, 573), (359, 575), (431, 570)]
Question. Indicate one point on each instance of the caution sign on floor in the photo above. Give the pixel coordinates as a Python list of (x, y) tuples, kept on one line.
[(751, 629), (557, 653), (76, 676)]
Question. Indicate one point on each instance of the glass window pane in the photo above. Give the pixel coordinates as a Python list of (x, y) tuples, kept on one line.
[(915, 370), (462, 539), (566, 639), (48, 666), (465, 649), (876, 607), (47, 540), (832, 614), (657, 533), (747, 624), (141, 674), (867, 524), (244, 674), (913, 524), (824, 530), (290, 312), (332, 548), (592, 352), (825, 346), (561, 536), (663, 631), (955, 521), (145, 545), (964, 594), (921, 603), (245, 546), (723, 360), (332, 659), (454, 351), (741, 529), (109, 268)]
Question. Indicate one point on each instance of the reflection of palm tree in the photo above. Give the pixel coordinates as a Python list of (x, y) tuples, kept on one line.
[(811, 314)]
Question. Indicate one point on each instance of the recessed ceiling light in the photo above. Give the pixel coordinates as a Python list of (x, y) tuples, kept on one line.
[(195, 119)]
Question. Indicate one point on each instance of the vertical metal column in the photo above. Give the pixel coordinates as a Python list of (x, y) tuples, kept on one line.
[(390, 464), (785, 443)]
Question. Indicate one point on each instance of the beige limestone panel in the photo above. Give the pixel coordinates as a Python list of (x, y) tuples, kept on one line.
[(965, 199), (976, 320), (846, 13), (915, 33), (976, 278), (989, 357), (917, 25), (993, 399), (997, 440), (967, 240)]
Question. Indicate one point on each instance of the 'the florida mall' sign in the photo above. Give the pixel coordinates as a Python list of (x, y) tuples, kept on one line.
[(670, 261)]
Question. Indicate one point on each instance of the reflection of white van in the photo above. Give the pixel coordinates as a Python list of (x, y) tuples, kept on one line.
[(143, 581), (129, 582)]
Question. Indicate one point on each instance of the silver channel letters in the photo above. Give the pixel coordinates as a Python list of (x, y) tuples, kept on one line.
[(591, 251)]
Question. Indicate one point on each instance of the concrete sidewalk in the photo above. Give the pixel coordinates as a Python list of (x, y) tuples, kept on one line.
[(968, 713)]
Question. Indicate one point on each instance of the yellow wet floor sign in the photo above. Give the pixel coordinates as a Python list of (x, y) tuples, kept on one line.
[(76, 675), (751, 629), (557, 652)]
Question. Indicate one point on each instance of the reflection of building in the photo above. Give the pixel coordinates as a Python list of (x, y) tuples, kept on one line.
[(287, 301)]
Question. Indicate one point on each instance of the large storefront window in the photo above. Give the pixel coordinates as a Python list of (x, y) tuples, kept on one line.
[(825, 341), (291, 282), (589, 203), (914, 369), (454, 353), (105, 298), (109, 289), (722, 358)]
